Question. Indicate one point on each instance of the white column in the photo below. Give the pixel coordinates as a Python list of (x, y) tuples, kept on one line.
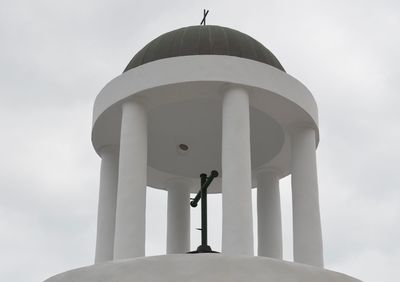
[(107, 204), (307, 236), (132, 180), (178, 218), (237, 219), (269, 215)]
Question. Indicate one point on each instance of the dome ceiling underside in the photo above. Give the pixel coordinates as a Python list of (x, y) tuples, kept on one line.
[(204, 40)]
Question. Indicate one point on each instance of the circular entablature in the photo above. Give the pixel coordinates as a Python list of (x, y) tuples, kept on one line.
[(184, 110)]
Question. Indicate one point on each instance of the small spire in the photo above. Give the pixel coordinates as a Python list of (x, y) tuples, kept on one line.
[(205, 13)]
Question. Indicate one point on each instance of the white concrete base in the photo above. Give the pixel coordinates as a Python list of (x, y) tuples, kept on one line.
[(199, 268)]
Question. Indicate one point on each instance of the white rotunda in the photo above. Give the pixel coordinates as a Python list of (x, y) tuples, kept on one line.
[(193, 100)]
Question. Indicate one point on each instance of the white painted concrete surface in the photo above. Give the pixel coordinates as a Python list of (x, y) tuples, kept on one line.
[(132, 181), (178, 217), (237, 219), (107, 204), (269, 215), (307, 235), (183, 106), (208, 68), (201, 268), (276, 100)]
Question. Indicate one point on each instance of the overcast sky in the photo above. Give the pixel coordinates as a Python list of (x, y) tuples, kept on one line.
[(55, 56)]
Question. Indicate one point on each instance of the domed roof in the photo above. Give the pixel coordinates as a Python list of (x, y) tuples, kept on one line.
[(204, 40)]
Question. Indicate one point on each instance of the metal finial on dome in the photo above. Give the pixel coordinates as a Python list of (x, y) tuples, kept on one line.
[(205, 13)]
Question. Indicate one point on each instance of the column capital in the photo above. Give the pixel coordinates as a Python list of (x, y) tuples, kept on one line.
[(137, 99), (111, 148), (228, 87), (298, 127), (171, 182), (269, 169), (295, 127)]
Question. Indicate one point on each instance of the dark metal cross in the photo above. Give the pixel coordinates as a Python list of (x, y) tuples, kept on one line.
[(205, 13), (202, 194)]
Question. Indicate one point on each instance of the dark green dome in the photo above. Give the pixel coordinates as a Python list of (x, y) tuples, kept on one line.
[(204, 40)]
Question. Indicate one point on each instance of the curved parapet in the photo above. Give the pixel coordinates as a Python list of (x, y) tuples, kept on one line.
[(200, 268)]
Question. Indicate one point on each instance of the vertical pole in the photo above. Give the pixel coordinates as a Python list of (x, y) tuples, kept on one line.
[(269, 215), (178, 217), (237, 219), (203, 190), (107, 204), (132, 179), (307, 236)]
